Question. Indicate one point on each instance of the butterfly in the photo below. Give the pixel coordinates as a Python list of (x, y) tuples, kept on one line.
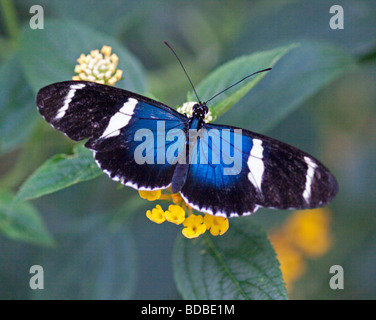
[(220, 170)]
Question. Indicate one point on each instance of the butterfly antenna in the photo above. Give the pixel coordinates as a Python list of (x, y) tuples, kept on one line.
[(250, 75), (194, 90)]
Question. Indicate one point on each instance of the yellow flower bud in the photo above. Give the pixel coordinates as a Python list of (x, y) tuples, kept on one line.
[(106, 50), (150, 195)]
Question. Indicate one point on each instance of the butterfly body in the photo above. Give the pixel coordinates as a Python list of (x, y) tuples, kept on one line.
[(193, 123), (220, 170)]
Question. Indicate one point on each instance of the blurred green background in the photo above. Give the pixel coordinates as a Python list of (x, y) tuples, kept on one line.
[(332, 115)]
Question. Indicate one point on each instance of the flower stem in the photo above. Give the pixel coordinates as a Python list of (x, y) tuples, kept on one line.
[(165, 197), (10, 19)]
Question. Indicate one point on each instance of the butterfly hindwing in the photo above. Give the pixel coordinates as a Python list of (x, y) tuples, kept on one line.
[(110, 118), (267, 173)]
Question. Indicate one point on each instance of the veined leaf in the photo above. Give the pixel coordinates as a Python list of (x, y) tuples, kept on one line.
[(238, 265), (22, 221), (297, 77), (59, 172), (91, 262), (17, 106)]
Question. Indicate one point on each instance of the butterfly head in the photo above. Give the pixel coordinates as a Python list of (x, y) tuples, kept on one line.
[(200, 110)]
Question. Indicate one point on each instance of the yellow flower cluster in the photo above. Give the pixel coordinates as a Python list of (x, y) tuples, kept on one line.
[(194, 225), (305, 234), (100, 67)]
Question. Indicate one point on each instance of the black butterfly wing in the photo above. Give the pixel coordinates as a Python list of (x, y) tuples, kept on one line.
[(110, 117), (267, 173)]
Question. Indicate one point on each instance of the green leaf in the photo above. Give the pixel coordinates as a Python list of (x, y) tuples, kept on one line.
[(230, 73), (238, 265), (22, 222), (59, 172), (279, 22), (121, 14), (17, 106), (50, 55), (297, 77), (91, 262)]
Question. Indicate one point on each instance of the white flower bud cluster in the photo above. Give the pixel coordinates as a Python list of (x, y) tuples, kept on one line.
[(100, 67)]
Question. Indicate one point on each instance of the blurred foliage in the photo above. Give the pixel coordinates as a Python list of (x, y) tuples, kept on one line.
[(319, 97)]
